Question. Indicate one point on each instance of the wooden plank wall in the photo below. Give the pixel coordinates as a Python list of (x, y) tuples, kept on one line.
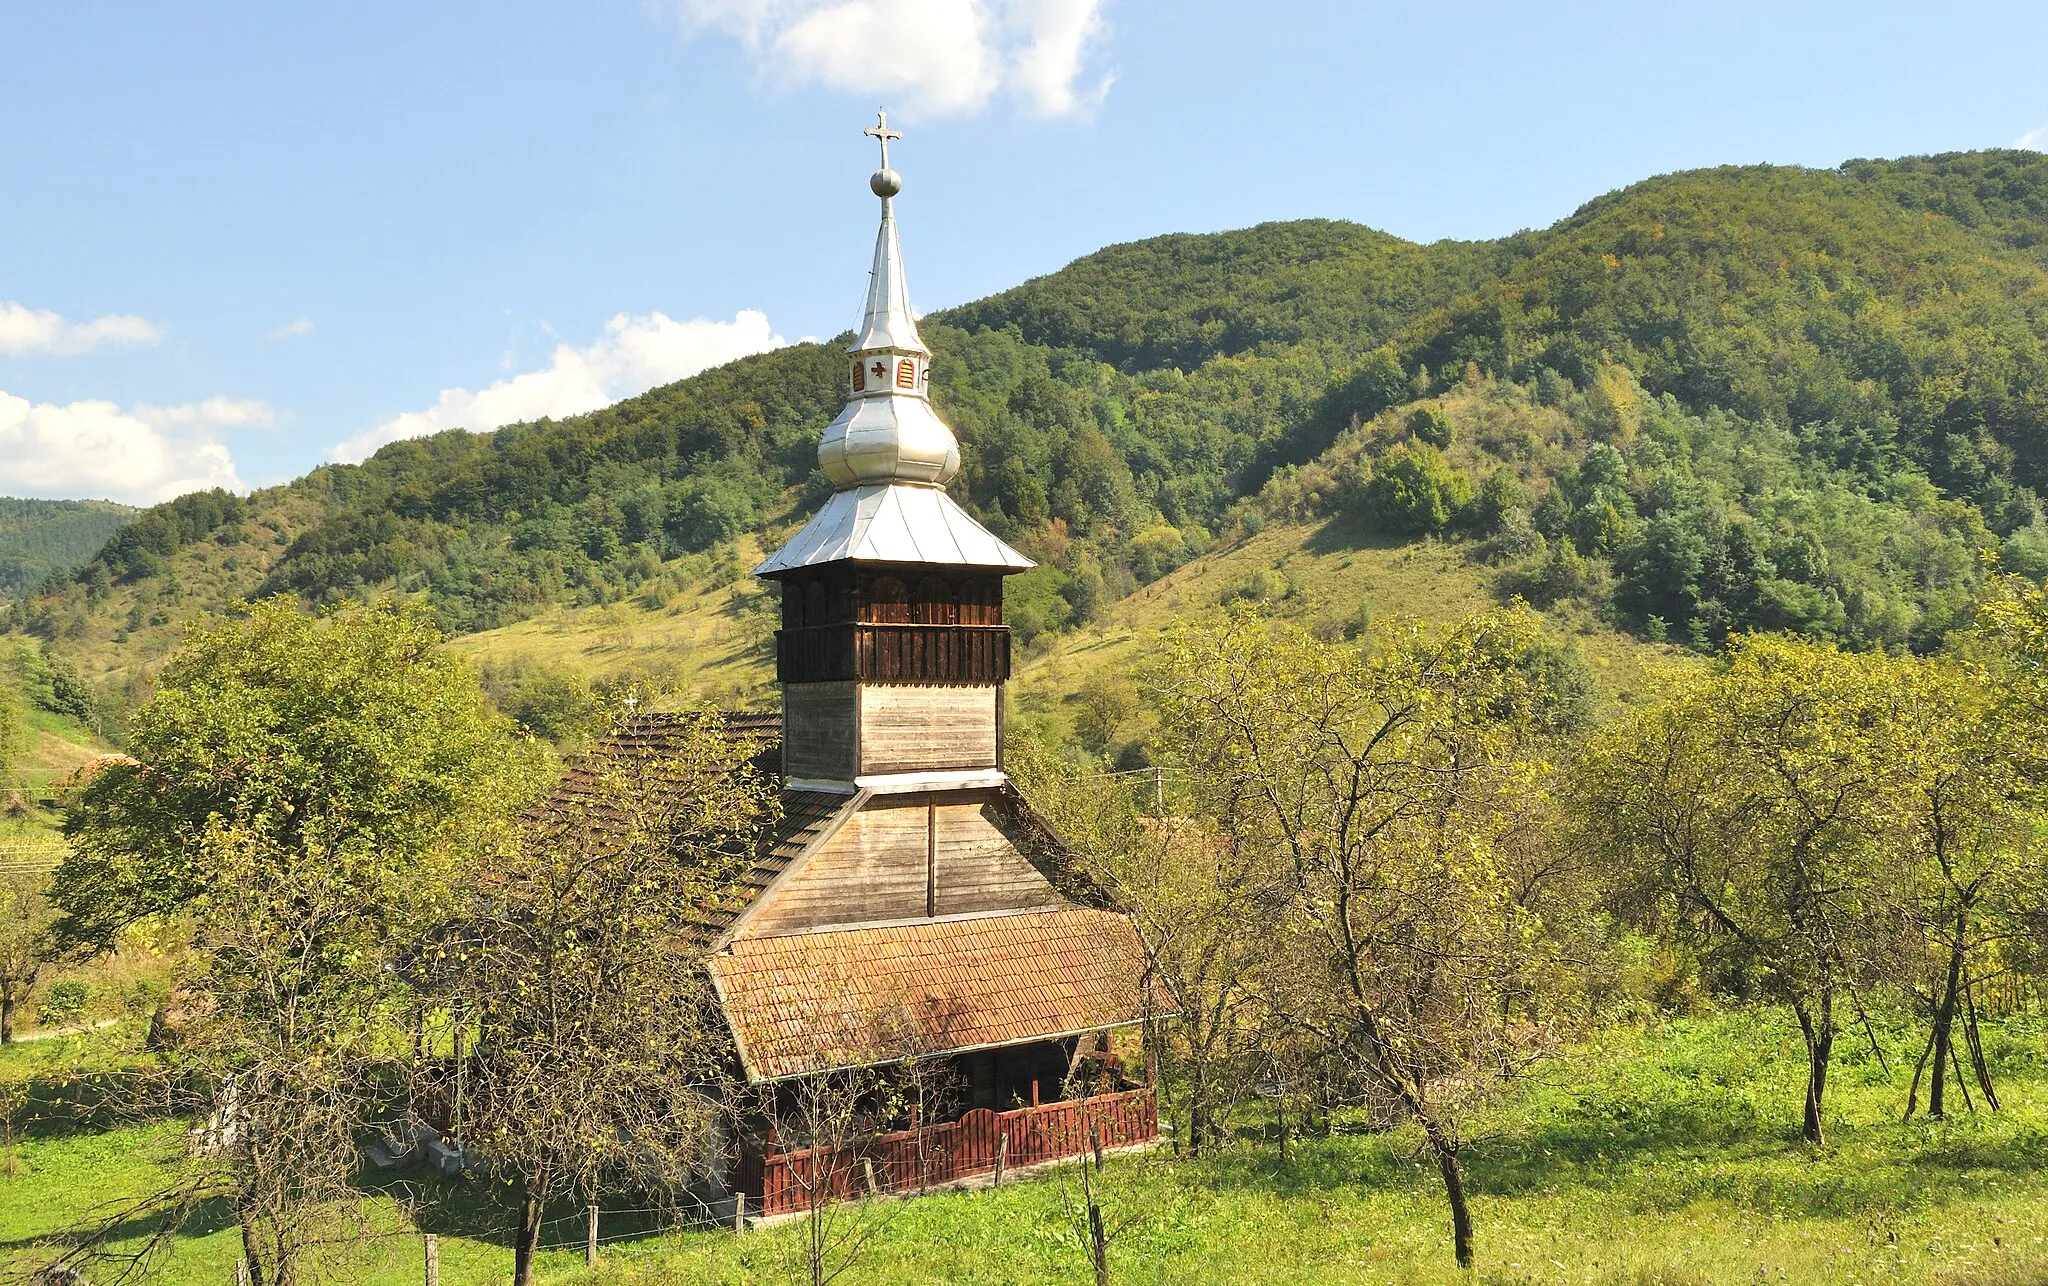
[(979, 868), (873, 869), (920, 729), (819, 730), (877, 867)]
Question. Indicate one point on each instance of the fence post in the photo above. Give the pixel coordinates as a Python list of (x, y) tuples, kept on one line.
[(739, 1212), (433, 1260), (590, 1235), (1002, 1155)]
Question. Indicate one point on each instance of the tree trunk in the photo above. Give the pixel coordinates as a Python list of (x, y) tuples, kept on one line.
[(1198, 1109), (284, 1267), (1975, 1039), (250, 1254), (159, 1037), (1819, 1031), (1280, 1113), (1445, 1150), (1919, 1070), (1945, 1025), (1098, 1236), (6, 1013), (815, 1231), (1098, 1244), (528, 1242)]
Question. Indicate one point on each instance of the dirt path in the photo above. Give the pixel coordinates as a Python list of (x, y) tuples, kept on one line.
[(52, 1033)]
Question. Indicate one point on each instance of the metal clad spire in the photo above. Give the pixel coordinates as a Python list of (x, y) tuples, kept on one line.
[(888, 324), (888, 432), (888, 454)]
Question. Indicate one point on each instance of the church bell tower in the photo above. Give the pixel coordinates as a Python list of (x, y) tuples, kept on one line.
[(892, 653)]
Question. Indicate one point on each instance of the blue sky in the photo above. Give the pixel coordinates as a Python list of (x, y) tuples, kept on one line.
[(237, 240)]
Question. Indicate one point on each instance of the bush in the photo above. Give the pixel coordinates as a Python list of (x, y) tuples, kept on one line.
[(1156, 551), (145, 996), (64, 1003), (1429, 424), (1414, 491)]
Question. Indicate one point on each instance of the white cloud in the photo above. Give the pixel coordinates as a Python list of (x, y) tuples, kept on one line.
[(95, 449), (634, 355), (1057, 36), (935, 57), (2035, 140), (213, 413), (25, 330), (292, 329)]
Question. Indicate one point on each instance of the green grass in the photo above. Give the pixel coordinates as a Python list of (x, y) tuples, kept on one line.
[(1325, 576), (1662, 1155)]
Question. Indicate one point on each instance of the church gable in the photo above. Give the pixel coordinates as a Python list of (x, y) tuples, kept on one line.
[(980, 864), (903, 857)]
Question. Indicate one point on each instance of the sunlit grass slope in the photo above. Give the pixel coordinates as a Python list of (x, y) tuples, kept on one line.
[(1334, 578), (711, 638)]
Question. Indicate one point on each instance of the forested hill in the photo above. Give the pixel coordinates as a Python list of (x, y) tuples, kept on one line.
[(44, 538), (1773, 397)]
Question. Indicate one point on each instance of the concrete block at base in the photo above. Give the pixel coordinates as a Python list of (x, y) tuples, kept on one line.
[(444, 1158)]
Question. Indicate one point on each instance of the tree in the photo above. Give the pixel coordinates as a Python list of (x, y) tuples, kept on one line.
[(1383, 783), (1429, 424), (1966, 830), (835, 1117), (1758, 803), (1200, 901), (13, 724), (300, 791), (600, 1054), (25, 944), (354, 735)]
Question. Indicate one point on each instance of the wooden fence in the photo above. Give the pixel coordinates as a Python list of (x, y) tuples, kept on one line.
[(912, 1160)]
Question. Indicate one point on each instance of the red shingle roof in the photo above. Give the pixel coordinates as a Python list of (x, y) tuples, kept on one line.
[(812, 1002)]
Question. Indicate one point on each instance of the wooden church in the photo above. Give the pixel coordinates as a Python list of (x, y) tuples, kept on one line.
[(912, 905)]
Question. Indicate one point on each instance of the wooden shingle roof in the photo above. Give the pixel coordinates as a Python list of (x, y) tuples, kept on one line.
[(804, 816), (812, 1002)]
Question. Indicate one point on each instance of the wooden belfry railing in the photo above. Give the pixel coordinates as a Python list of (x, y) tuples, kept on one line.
[(912, 1160), (889, 653)]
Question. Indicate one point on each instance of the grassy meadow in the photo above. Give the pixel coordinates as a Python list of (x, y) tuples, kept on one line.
[(1663, 1154)]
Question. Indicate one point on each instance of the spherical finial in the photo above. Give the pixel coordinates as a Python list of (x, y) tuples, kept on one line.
[(885, 183)]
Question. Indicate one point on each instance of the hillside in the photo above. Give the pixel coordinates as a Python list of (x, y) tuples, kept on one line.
[(44, 538), (1724, 399)]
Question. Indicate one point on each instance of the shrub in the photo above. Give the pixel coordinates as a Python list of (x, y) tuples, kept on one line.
[(63, 1003), (1414, 491), (1429, 424)]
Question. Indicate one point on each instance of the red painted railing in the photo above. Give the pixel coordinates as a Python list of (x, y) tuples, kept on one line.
[(910, 1160)]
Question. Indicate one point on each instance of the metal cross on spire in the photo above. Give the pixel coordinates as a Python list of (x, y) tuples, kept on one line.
[(881, 133)]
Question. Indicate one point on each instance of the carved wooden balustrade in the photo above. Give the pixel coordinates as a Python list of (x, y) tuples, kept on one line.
[(874, 652)]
